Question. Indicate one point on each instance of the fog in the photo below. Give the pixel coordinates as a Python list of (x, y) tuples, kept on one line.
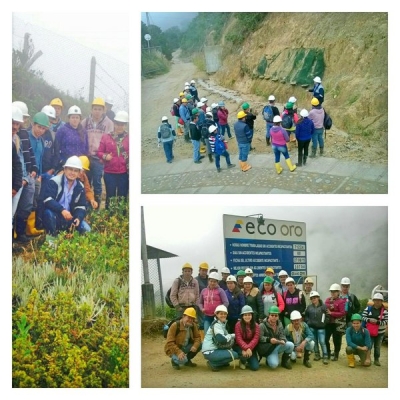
[(166, 20)]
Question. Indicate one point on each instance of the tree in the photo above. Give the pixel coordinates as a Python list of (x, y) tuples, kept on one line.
[(27, 56)]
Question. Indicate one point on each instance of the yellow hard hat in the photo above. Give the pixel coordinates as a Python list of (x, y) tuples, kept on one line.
[(184, 101), (98, 101), (187, 265), (203, 265), (190, 312), (314, 101), (181, 94), (56, 102), (85, 163), (269, 269), (241, 114)]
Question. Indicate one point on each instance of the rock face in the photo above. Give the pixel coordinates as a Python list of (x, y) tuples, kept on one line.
[(348, 50)]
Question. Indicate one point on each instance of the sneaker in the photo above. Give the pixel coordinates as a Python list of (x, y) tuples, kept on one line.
[(218, 169), (317, 357), (198, 162), (334, 358), (242, 365), (299, 165), (325, 360), (175, 365), (191, 364), (201, 157), (377, 363), (231, 165), (169, 161), (231, 137), (214, 369)]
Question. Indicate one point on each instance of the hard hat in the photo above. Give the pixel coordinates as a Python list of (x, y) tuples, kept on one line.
[(314, 101), (208, 109), (214, 105), (269, 269), (292, 99), (184, 101), (221, 104), (225, 270), (245, 106), (295, 315), (187, 87), (378, 296), (22, 106), (317, 79), (187, 265), (57, 102), (283, 272), (49, 111), (221, 308), (231, 278), (203, 265), (213, 268), (274, 310), (189, 96), (241, 114), (190, 312), (248, 271), (314, 294), (42, 119), (164, 118), (109, 100), (187, 83), (181, 94), (289, 105), (195, 111), (17, 114), (85, 162), (345, 281), (241, 273), (98, 101), (192, 81), (214, 275), (289, 279), (73, 162), (248, 279), (122, 116), (356, 317), (200, 104), (271, 98), (334, 287), (209, 113), (203, 100), (268, 279), (308, 280), (74, 110), (304, 113), (212, 128), (246, 309), (176, 100), (277, 118)]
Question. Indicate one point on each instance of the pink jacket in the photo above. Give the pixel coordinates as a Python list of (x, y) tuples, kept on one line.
[(117, 165), (279, 136), (210, 299), (223, 116), (247, 342)]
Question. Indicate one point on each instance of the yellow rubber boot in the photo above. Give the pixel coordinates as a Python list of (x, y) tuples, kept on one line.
[(290, 165), (246, 166), (351, 360), (30, 225), (278, 168), (241, 165)]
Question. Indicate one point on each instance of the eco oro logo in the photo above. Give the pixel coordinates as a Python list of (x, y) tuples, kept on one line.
[(238, 226)]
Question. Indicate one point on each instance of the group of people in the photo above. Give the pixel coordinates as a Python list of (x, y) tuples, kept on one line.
[(207, 125), (58, 166), (227, 317)]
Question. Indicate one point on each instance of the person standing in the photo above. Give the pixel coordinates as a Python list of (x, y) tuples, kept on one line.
[(318, 90), (17, 120), (223, 115), (316, 115), (57, 104), (352, 303), (236, 302), (304, 132), (224, 273), (308, 285), (243, 138), (293, 299), (270, 297), (49, 162), (185, 116), (212, 138), (195, 136), (193, 90), (269, 112), (167, 136), (175, 110), (250, 118), (253, 298)]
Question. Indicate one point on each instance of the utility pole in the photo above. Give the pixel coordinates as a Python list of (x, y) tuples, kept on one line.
[(92, 75), (147, 19)]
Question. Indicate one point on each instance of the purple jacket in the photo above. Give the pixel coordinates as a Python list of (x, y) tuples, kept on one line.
[(317, 116), (68, 143), (279, 136)]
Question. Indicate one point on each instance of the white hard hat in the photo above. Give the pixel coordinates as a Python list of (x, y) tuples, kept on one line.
[(292, 99), (164, 118), (73, 162), (204, 100), (186, 87), (271, 98), (221, 308), (176, 100), (212, 128), (122, 116), (231, 278), (22, 106), (283, 272), (334, 286), (248, 279), (248, 271), (378, 296), (214, 105), (214, 275), (109, 100), (317, 79), (209, 114), (200, 104), (225, 270), (277, 118), (187, 83), (314, 294), (192, 81), (74, 110), (287, 280), (345, 281), (17, 114), (304, 113), (208, 109), (49, 111), (295, 315), (308, 280)]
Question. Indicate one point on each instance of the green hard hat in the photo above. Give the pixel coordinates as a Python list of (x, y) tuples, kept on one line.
[(289, 106), (245, 106), (241, 273), (356, 317), (274, 310), (41, 118), (268, 279), (189, 96), (195, 111)]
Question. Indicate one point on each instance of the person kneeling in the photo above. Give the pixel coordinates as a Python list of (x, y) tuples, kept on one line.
[(358, 342)]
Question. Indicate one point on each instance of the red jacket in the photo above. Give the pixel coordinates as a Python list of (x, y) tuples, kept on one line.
[(246, 343), (117, 165)]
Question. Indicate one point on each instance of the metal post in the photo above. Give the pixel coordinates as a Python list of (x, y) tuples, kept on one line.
[(161, 288), (92, 76)]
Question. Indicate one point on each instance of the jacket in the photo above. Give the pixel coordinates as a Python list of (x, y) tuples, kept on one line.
[(352, 305), (195, 133), (247, 340), (315, 316), (267, 332), (242, 132), (235, 305), (95, 132), (361, 338), (109, 145), (317, 115), (16, 170), (279, 136), (184, 113), (336, 307), (250, 117), (203, 283), (37, 145), (175, 341), (304, 129), (210, 299), (27, 152), (306, 333), (295, 301), (253, 299), (372, 312), (188, 293), (49, 160), (222, 116), (217, 332), (272, 299)]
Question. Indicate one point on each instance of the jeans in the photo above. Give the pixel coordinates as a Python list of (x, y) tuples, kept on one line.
[(116, 185), (196, 150), (361, 353), (218, 157), (278, 150), (244, 149), (376, 344), (227, 128), (319, 339), (268, 129), (95, 174), (273, 359), (254, 365), (168, 150), (54, 223), (330, 330), (317, 137), (309, 347), (208, 146), (302, 149), (186, 350), (220, 357)]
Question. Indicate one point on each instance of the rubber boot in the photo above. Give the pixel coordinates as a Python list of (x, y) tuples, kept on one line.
[(304, 160), (210, 157), (20, 228), (268, 141), (317, 356), (241, 165), (30, 225), (290, 165), (278, 167), (306, 358), (321, 151), (367, 362), (246, 166), (351, 360), (187, 139), (376, 362), (286, 361), (189, 356), (313, 152)]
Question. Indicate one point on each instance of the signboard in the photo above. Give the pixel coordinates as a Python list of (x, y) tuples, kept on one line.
[(259, 243)]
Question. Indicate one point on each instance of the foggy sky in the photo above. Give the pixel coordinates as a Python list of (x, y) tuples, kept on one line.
[(169, 19), (341, 241)]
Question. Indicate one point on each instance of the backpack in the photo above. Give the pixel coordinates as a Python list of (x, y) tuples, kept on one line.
[(327, 121), (267, 113), (287, 121), (172, 111), (219, 146), (168, 325), (167, 296), (204, 131), (165, 131)]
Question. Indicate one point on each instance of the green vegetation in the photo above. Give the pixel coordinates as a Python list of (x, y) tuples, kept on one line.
[(245, 24), (262, 66)]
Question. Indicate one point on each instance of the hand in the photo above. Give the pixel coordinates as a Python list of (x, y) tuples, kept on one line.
[(39, 179), (193, 349), (108, 157), (66, 214), (51, 171), (373, 320), (24, 182), (76, 222), (14, 192), (94, 204), (181, 356), (33, 174)]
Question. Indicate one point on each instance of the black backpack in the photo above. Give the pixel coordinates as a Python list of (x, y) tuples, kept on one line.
[(327, 121), (168, 325), (167, 296), (287, 121)]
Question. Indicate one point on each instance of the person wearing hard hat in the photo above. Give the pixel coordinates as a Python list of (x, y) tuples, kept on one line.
[(224, 273), (236, 302), (269, 295), (240, 275), (58, 105), (304, 132), (114, 151), (90, 200), (243, 138), (202, 279), (167, 136), (353, 305), (307, 286), (316, 115), (175, 112), (336, 324), (109, 105), (269, 272), (97, 124), (315, 316), (299, 333), (207, 133), (183, 340), (273, 341), (25, 114), (281, 288), (376, 319), (318, 90), (253, 298), (293, 100), (211, 297), (17, 120), (204, 107), (184, 114), (269, 112), (49, 162), (250, 118), (193, 90), (64, 201), (223, 114), (293, 299), (213, 137)]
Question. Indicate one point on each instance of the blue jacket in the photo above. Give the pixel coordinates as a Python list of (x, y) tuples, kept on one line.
[(360, 338), (184, 113), (235, 304), (242, 132), (304, 129)]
